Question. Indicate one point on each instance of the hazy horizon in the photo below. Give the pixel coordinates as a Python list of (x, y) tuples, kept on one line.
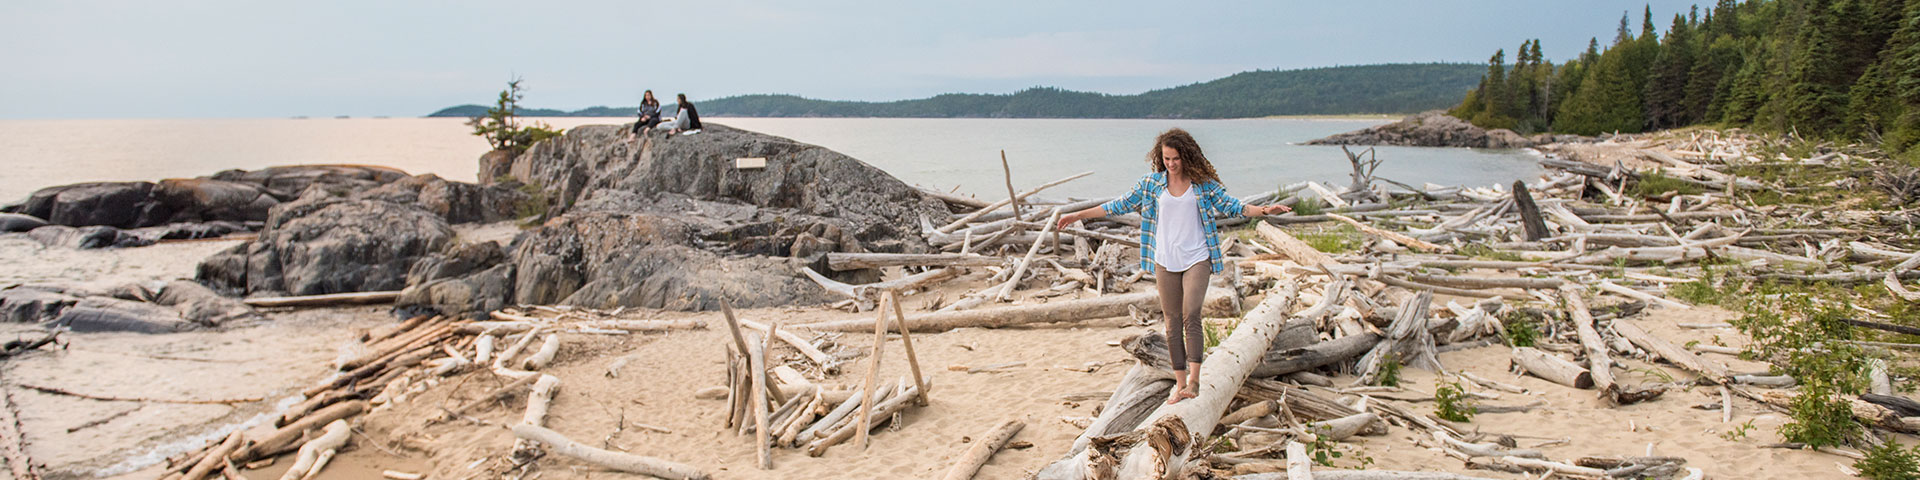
[(227, 59)]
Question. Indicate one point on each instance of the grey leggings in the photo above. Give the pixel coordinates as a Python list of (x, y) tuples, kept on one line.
[(1181, 295)]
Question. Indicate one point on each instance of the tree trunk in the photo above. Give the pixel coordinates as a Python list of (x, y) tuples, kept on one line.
[(856, 261), (1059, 311), (1552, 368), (1535, 226)]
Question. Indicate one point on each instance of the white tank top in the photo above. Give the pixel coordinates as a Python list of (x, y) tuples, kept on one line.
[(1178, 242)]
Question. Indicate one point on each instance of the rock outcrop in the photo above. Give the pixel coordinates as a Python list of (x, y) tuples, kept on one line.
[(1434, 129), (323, 244), (669, 222)]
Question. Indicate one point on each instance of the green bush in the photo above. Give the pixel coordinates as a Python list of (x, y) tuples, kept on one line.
[(1452, 403), (1890, 461)]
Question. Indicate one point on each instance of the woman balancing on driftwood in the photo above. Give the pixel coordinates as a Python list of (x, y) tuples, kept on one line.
[(1178, 204)]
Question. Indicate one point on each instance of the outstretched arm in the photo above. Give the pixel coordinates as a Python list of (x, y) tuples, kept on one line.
[(1068, 219)]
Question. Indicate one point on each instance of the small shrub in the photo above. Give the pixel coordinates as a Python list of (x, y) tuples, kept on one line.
[(1890, 461), (1322, 449), (1522, 331), (1212, 333), (1739, 432), (1452, 403), (1655, 184), (1309, 206), (1819, 419), (1482, 251), (500, 125), (1389, 371)]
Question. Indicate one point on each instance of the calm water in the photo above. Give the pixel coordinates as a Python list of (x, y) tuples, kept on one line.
[(1252, 155)]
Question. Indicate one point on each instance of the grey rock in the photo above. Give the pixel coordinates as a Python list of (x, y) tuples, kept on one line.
[(472, 295), (16, 222), (799, 179), (206, 200), (32, 304), (115, 204), (102, 314), (458, 202), (294, 179), (605, 260), (319, 245), (198, 304), (494, 165), (456, 261), (98, 236)]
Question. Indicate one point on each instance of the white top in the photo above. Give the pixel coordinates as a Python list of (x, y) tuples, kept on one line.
[(1178, 241)]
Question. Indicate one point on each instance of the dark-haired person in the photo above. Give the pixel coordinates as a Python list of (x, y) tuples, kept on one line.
[(649, 115), (1179, 203), (688, 119)]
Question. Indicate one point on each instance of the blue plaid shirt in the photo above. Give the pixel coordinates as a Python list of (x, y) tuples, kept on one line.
[(1145, 198)]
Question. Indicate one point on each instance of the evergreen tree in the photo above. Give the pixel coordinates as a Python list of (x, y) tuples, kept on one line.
[(1814, 99), (1666, 93), (1606, 102), (1494, 95)]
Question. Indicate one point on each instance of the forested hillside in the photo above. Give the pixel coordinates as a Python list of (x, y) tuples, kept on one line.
[(1844, 69)]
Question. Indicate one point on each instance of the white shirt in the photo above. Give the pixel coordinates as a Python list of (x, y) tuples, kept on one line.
[(1178, 241)]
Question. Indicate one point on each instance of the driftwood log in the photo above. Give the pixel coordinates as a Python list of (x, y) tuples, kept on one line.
[(983, 449), (624, 462), (1058, 311)]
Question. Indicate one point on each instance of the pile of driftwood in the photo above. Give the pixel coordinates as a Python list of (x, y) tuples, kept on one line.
[(401, 360), (1586, 232), (782, 408)]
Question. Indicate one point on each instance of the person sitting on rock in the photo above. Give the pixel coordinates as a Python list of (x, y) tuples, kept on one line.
[(649, 115), (687, 119)]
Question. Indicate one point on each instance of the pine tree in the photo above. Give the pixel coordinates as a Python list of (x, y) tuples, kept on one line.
[(1902, 59), (1494, 96), (1814, 99), (1666, 92), (1606, 101)]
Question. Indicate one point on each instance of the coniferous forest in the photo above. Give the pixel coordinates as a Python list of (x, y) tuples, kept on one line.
[(1839, 69)]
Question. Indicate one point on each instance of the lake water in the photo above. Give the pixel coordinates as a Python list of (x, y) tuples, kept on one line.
[(1252, 155)]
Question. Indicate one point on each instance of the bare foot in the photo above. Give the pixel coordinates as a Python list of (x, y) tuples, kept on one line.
[(1186, 394), (1174, 397)]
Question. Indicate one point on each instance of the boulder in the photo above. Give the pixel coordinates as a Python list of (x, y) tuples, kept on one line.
[(87, 237), (16, 222), (604, 259), (472, 295), (205, 200), (1504, 138), (192, 230), (319, 245), (103, 314), (115, 204), (33, 304), (495, 165), (198, 304), (458, 202), (456, 261)]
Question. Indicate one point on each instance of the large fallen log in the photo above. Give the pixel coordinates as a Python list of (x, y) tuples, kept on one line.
[(1487, 282), (511, 327), (1363, 475), (355, 298), (1162, 452), (1140, 391), (1553, 369), (857, 261), (1408, 342), (624, 462), (1686, 360), (1293, 248), (1599, 360), (1059, 311)]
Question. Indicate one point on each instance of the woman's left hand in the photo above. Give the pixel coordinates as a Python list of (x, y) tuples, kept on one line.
[(1274, 209)]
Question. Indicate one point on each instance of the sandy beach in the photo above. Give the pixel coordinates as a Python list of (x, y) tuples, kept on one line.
[(1064, 373)]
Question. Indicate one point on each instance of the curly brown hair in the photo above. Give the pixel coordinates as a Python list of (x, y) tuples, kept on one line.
[(1194, 164)]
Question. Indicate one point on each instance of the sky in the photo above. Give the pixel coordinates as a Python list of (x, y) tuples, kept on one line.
[(247, 59)]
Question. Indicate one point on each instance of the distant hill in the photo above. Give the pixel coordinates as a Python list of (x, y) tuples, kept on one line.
[(1365, 89)]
